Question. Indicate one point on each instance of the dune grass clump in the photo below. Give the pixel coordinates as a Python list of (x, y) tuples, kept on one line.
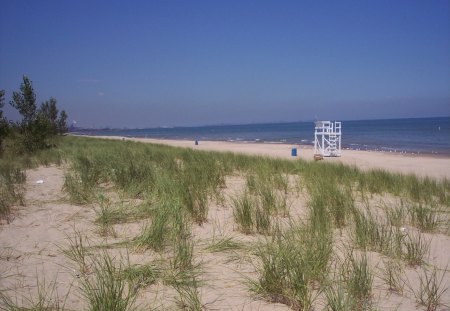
[(392, 274), (84, 177), (104, 289), (431, 288), (424, 217), (271, 187), (243, 212), (290, 263), (200, 177), (78, 253), (337, 299), (146, 171), (141, 275), (370, 233), (396, 215), (329, 198), (155, 234), (184, 272), (133, 177), (188, 295), (415, 249), (183, 246), (282, 276), (224, 244), (264, 199), (195, 198), (45, 298), (105, 282), (107, 215), (359, 279), (251, 215)]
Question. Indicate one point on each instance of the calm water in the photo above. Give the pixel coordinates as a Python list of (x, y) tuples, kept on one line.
[(425, 135)]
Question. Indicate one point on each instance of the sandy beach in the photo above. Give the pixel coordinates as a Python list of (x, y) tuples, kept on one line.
[(426, 165)]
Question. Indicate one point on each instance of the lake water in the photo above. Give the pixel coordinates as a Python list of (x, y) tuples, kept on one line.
[(420, 135)]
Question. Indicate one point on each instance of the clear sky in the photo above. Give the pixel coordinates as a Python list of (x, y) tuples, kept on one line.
[(169, 63)]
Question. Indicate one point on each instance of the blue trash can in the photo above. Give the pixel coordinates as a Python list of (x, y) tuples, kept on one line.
[(294, 152), (196, 142)]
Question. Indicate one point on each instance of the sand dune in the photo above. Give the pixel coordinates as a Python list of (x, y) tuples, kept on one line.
[(32, 243)]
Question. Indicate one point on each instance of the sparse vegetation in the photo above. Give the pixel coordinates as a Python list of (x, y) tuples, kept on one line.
[(431, 288), (392, 274)]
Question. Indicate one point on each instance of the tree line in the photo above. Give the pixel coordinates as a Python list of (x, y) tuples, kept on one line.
[(38, 126)]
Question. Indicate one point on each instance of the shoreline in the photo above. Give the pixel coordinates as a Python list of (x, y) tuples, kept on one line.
[(421, 165), (431, 154)]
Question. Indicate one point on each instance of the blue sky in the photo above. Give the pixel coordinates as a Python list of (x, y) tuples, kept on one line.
[(169, 63)]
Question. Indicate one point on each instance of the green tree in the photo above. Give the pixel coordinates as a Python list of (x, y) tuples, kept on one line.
[(25, 101), (49, 112), (62, 123), (37, 125), (33, 130)]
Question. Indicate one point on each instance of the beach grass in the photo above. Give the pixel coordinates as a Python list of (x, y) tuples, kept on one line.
[(170, 191), (392, 274), (431, 288)]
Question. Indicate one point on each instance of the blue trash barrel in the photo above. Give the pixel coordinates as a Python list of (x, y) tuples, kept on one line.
[(294, 152), (196, 142)]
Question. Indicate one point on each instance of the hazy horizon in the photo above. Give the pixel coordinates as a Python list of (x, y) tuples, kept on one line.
[(250, 124), (152, 64)]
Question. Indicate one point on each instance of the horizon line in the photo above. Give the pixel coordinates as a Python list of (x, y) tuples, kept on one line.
[(244, 124)]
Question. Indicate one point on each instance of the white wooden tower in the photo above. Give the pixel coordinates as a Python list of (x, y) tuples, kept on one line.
[(327, 139)]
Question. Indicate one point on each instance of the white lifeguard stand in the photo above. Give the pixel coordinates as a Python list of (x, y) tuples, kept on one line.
[(327, 139)]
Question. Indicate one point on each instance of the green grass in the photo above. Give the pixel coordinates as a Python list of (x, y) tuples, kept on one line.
[(337, 299), (416, 249), (141, 275), (104, 289), (107, 216), (359, 279), (371, 233), (105, 283), (77, 252), (224, 244), (289, 263), (243, 212), (155, 234), (424, 217)]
